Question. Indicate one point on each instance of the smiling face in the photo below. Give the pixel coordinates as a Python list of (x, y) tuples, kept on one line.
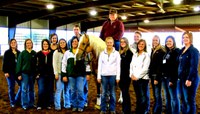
[(29, 44), (137, 37), (156, 41), (13, 44), (123, 43), (141, 46), (74, 43), (170, 43), (109, 43), (186, 39), (62, 44), (45, 46), (54, 39)]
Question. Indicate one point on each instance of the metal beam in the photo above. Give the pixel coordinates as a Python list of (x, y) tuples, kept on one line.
[(10, 2), (43, 13)]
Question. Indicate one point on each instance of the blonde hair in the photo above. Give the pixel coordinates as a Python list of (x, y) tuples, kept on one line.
[(109, 38)]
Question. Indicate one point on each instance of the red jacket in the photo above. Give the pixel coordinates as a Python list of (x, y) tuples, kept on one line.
[(115, 30)]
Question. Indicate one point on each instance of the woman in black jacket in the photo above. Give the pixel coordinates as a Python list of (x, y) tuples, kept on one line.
[(124, 84), (155, 73), (46, 75), (9, 66), (170, 78)]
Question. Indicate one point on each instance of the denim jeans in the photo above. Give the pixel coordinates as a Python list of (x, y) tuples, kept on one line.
[(86, 90), (157, 109), (171, 97), (44, 90), (188, 96), (66, 95), (11, 90), (117, 44), (165, 84), (59, 90), (77, 92), (141, 88), (27, 94), (108, 85)]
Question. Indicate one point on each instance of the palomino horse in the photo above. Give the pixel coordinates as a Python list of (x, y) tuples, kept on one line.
[(93, 45)]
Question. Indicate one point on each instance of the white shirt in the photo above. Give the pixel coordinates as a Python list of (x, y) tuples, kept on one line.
[(109, 64), (139, 65), (57, 60)]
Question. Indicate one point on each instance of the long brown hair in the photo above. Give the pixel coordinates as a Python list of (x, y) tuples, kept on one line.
[(125, 48)]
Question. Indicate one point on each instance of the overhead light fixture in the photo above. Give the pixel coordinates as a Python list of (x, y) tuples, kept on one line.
[(197, 8), (177, 2), (146, 21), (124, 17), (50, 6), (93, 12)]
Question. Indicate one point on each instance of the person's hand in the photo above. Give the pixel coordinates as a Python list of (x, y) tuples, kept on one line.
[(56, 77), (117, 81), (37, 77), (188, 83), (87, 77), (65, 79), (19, 77), (170, 84), (134, 78), (6, 75), (155, 82), (99, 80)]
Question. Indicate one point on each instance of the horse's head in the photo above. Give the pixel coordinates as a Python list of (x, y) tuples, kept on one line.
[(83, 46)]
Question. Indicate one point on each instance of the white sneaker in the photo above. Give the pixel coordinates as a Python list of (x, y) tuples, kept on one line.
[(98, 101), (120, 98)]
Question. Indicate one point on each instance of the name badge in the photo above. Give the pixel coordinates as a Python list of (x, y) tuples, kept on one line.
[(164, 61)]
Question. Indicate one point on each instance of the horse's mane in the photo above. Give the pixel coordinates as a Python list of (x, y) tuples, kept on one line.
[(97, 43)]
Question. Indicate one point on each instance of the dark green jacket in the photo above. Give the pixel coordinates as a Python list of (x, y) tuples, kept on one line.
[(27, 63)]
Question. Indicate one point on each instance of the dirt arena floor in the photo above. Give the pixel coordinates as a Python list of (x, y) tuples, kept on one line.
[(5, 107)]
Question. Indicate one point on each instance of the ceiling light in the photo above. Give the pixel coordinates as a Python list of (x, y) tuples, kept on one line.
[(93, 12), (177, 2), (146, 21), (124, 17), (197, 8), (50, 6)]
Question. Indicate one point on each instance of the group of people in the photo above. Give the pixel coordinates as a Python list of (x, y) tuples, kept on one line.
[(120, 63), (54, 63)]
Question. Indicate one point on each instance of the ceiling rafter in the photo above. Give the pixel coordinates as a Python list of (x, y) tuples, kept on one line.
[(43, 13)]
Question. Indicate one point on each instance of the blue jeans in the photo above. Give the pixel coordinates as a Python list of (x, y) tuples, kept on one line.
[(59, 89), (108, 82), (44, 90), (171, 97), (66, 95), (27, 94), (86, 90), (141, 88), (188, 95), (11, 90), (117, 44), (77, 94), (165, 84), (157, 109)]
